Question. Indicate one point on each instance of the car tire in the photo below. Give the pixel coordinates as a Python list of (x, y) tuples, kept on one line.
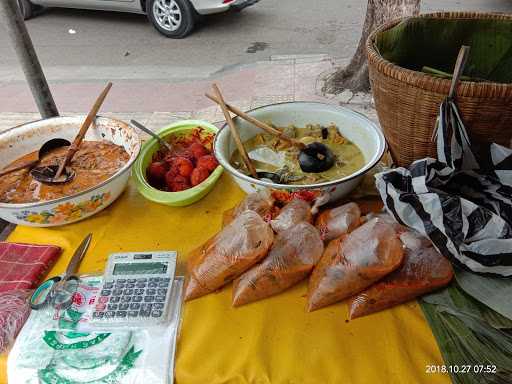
[(26, 9), (172, 18)]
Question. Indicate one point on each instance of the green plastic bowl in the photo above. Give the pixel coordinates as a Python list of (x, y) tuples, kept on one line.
[(175, 199)]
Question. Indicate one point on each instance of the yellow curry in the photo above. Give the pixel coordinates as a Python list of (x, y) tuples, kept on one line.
[(271, 154)]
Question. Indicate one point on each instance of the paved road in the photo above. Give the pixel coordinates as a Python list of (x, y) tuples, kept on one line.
[(125, 46)]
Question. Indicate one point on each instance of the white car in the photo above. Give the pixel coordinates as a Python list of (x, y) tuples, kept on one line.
[(172, 18)]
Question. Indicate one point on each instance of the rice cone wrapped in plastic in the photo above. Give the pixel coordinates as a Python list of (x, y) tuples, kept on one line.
[(423, 270), (260, 202), (291, 259), (334, 222), (240, 245), (296, 211), (412, 240), (369, 205), (387, 218), (354, 262)]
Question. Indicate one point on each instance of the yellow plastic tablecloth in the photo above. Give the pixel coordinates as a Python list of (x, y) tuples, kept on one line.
[(270, 341)]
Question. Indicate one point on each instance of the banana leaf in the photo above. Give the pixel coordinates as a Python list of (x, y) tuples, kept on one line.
[(494, 292), (471, 335), (435, 42)]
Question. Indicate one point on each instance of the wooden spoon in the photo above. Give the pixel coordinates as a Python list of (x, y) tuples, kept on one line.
[(234, 132), (73, 148), (460, 63), (313, 158), (259, 124), (54, 174)]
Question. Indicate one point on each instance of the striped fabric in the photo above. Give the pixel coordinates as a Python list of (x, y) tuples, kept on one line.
[(22, 266), (460, 201), (14, 311)]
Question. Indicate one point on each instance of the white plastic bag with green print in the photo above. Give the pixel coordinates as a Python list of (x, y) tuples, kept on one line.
[(53, 349)]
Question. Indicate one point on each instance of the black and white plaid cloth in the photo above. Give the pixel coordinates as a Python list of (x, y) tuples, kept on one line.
[(462, 202)]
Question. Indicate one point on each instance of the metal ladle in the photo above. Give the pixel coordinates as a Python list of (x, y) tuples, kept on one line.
[(313, 158), (62, 173), (46, 148)]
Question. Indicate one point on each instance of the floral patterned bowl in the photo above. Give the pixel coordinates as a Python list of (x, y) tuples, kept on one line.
[(26, 138)]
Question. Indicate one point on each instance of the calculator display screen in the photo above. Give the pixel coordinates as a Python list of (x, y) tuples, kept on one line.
[(139, 268)]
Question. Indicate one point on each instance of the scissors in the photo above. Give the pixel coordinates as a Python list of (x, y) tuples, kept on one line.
[(59, 290)]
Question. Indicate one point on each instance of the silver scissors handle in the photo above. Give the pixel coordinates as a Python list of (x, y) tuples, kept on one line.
[(59, 290), (44, 293)]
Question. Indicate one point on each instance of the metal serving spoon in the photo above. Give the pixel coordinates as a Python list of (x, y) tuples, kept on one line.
[(161, 141)]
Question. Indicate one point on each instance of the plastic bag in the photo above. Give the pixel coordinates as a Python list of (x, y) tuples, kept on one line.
[(461, 200), (292, 257), (240, 245), (387, 218), (333, 223), (260, 202), (369, 205), (14, 311), (412, 240), (424, 270), (354, 262), (123, 354), (293, 213)]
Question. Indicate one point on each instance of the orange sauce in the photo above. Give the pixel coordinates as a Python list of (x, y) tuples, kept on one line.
[(93, 163)]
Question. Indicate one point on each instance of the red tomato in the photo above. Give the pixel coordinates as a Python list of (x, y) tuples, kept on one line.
[(169, 178), (199, 175), (198, 150), (157, 171), (209, 162), (176, 183), (169, 158), (187, 154), (182, 166)]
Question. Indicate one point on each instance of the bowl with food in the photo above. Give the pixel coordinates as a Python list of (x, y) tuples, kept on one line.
[(101, 170), (355, 141), (184, 173)]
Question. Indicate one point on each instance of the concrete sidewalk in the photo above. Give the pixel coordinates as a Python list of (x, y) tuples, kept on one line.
[(158, 102)]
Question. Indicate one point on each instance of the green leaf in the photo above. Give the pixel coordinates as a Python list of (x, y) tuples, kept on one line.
[(435, 42), (465, 336), (494, 292)]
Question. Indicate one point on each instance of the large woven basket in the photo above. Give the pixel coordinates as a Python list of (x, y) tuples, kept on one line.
[(407, 101)]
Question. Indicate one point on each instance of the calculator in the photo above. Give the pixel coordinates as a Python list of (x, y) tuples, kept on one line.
[(136, 289)]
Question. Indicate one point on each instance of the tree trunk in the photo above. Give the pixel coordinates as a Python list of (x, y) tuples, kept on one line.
[(355, 76)]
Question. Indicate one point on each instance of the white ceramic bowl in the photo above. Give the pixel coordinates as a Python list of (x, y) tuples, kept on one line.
[(26, 138), (354, 126)]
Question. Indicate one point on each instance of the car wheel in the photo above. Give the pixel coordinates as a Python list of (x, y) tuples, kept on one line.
[(26, 9), (172, 18)]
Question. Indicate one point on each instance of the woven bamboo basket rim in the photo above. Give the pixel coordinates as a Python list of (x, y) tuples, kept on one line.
[(428, 82)]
